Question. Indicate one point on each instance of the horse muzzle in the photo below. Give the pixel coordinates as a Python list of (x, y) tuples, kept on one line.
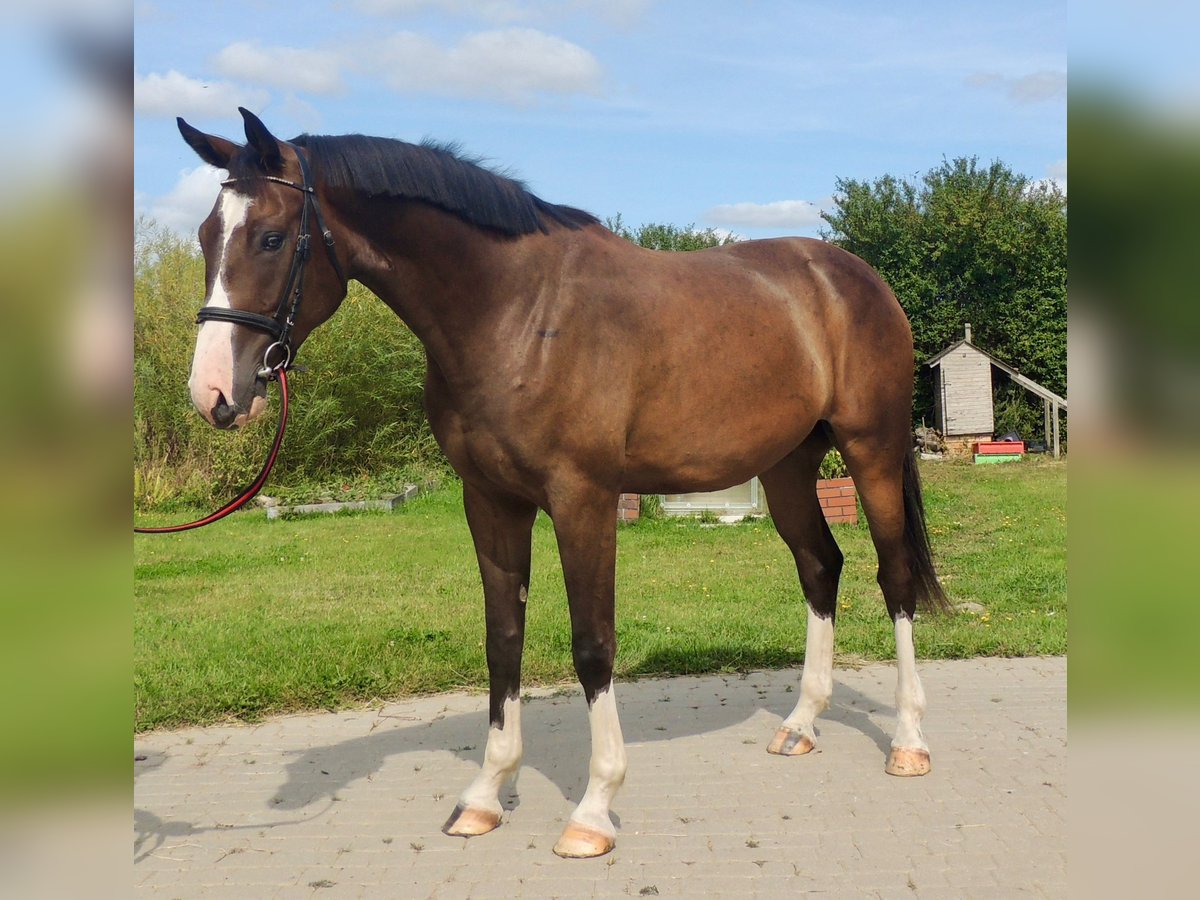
[(219, 411)]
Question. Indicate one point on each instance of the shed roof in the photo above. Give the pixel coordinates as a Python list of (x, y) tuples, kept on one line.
[(1028, 383)]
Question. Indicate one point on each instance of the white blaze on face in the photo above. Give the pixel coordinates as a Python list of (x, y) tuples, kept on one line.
[(213, 363)]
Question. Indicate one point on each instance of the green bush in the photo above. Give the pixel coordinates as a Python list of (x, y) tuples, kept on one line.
[(833, 466), (657, 236), (357, 423)]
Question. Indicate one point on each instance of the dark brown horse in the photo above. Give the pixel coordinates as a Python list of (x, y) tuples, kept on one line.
[(566, 365)]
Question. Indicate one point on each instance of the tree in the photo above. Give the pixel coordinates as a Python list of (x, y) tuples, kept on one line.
[(966, 243), (668, 237)]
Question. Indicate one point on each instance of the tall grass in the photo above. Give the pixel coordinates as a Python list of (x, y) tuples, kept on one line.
[(357, 424)]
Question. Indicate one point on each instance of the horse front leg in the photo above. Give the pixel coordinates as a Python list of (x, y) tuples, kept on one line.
[(501, 528), (587, 543)]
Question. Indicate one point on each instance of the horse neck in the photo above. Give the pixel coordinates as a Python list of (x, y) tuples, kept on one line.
[(451, 282)]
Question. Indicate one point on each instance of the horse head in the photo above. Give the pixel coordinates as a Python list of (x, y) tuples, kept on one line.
[(257, 260)]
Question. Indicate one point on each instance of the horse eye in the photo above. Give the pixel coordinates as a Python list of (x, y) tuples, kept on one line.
[(272, 241)]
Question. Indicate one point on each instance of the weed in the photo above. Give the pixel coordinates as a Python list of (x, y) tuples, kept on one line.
[(833, 466), (651, 507)]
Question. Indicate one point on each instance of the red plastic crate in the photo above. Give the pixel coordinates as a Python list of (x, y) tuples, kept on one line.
[(988, 447)]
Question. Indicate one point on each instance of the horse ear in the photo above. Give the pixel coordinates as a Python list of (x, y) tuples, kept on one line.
[(262, 140), (215, 151)]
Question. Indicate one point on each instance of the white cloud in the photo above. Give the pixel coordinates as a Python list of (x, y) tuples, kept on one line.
[(174, 94), (1056, 176), (1045, 84), (292, 68), (515, 65), (306, 116), (1038, 86), (779, 214), (188, 203)]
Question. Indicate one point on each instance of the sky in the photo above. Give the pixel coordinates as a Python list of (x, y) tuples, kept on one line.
[(739, 115)]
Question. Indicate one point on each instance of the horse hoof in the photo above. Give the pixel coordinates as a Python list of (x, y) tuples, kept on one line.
[(790, 743), (906, 763), (468, 821), (581, 842)]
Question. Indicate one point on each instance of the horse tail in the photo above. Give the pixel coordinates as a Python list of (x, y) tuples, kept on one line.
[(930, 595)]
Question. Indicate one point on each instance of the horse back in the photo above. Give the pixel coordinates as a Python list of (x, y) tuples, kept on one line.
[(719, 362)]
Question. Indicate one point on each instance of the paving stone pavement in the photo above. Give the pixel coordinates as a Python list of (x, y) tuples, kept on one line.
[(350, 804)]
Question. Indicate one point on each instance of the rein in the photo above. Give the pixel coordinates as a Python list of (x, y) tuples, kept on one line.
[(279, 326), (248, 492)]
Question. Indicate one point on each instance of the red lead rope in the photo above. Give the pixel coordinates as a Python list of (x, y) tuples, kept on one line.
[(255, 486)]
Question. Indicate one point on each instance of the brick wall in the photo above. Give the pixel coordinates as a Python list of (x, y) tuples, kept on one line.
[(962, 446), (629, 507), (838, 500)]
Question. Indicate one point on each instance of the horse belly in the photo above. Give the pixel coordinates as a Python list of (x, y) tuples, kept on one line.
[(709, 433)]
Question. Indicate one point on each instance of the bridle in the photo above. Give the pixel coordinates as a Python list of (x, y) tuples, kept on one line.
[(279, 326)]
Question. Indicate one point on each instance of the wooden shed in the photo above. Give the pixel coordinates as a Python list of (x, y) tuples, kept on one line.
[(962, 395)]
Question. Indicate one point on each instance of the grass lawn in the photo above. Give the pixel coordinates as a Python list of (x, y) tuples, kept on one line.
[(250, 617)]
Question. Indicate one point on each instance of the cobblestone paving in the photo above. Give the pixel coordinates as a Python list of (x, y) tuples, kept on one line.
[(349, 804)]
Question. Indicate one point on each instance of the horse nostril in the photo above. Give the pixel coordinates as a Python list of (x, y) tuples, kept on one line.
[(222, 412)]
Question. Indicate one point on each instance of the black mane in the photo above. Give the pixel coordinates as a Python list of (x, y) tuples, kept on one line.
[(437, 174)]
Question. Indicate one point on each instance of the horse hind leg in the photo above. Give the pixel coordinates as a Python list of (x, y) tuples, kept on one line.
[(888, 483), (792, 496)]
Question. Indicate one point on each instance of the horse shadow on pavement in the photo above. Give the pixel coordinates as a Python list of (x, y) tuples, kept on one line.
[(556, 738), (556, 741)]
